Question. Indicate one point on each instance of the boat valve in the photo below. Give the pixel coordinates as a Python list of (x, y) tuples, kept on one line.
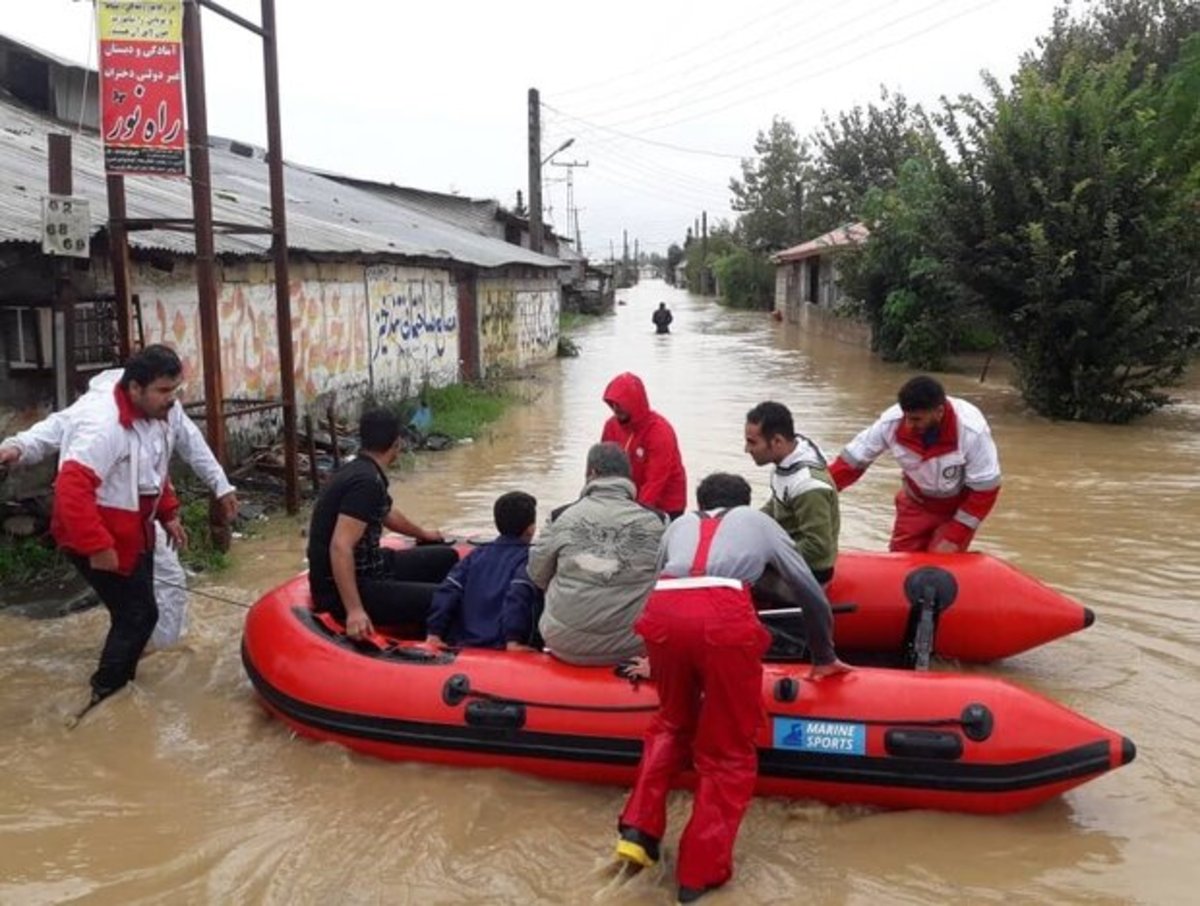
[(456, 689), (786, 689), (977, 722)]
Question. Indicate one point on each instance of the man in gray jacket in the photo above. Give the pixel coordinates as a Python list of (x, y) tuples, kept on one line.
[(597, 560)]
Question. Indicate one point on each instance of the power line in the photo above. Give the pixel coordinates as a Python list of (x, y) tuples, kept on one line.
[(609, 149), (679, 95), (662, 61), (775, 89), (637, 138), (769, 77)]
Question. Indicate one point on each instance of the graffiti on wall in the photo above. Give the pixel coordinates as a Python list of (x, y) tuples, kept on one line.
[(414, 326), (329, 334), (329, 326), (518, 323), (537, 314), (498, 327)]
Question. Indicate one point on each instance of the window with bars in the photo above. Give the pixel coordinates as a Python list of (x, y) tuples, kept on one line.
[(95, 334)]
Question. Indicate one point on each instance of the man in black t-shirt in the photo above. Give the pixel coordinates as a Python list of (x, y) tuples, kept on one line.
[(349, 574)]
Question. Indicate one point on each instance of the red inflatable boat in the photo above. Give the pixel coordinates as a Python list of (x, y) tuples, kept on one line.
[(969, 607), (973, 607), (887, 738)]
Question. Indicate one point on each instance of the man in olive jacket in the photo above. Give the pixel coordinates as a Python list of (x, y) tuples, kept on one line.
[(804, 499), (597, 560)]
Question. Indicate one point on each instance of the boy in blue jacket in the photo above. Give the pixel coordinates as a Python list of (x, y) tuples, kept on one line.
[(488, 600)]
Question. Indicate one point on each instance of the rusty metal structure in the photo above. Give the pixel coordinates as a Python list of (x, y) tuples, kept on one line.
[(203, 226)]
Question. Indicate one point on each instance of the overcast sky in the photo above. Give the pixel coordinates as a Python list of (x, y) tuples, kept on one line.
[(433, 94)]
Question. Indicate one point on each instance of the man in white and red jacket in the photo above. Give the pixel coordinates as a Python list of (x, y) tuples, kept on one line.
[(951, 470), (51, 434), (112, 486)]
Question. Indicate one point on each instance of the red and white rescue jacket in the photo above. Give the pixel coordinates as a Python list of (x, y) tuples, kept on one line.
[(957, 475), (112, 478)]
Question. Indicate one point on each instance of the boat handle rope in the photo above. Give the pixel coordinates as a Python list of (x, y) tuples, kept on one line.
[(458, 688), (204, 594)]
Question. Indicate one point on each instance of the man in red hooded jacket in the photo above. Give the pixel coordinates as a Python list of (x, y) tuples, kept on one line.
[(649, 441)]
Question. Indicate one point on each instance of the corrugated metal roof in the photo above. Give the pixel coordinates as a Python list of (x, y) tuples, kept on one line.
[(32, 51), (484, 216), (475, 214), (843, 237), (323, 215)]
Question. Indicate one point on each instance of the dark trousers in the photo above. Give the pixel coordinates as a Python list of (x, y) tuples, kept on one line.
[(402, 595), (132, 612)]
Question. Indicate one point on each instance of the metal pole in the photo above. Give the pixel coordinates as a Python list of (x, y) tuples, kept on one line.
[(118, 250), (535, 171), (283, 300), (206, 278), (61, 183)]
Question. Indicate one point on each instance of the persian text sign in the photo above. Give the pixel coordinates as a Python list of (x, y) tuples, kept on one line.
[(141, 86)]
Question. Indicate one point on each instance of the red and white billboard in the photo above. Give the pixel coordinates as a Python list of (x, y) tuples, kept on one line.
[(141, 86)]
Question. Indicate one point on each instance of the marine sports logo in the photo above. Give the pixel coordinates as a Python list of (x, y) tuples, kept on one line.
[(827, 737)]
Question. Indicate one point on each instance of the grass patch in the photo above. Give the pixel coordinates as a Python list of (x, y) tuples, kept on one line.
[(25, 561), (460, 410), (200, 555)]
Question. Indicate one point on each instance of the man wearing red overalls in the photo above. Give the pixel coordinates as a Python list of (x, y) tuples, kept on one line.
[(705, 645), (951, 470)]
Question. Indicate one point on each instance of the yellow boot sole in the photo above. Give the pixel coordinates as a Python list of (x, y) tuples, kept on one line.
[(628, 851)]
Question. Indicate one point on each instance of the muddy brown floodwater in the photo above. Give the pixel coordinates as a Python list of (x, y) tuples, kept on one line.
[(182, 791)]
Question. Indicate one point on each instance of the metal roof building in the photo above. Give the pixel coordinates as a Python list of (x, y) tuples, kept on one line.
[(324, 216)]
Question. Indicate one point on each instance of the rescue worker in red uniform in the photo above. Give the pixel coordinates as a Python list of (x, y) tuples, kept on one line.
[(649, 441), (705, 646), (951, 469)]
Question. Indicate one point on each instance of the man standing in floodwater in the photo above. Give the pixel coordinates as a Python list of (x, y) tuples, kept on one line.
[(705, 645), (112, 487), (951, 469), (662, 318)]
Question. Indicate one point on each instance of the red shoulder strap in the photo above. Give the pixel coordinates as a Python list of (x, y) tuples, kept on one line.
[(708, 530)]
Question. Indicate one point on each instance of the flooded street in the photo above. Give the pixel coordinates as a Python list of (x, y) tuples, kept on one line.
[(183, 791)]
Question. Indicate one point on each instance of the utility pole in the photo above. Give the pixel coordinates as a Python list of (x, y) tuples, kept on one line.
[(61, 182), (572, 211), (118, 250), (704, 252), (535, 171), (279, 251), (206, 264)]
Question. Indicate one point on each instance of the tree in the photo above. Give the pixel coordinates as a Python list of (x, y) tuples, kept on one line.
[(702, 255), (1084, 239), (860, 150), (746, 280), (904, 275), (1153, 30), (769, 196), (674, 256)]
